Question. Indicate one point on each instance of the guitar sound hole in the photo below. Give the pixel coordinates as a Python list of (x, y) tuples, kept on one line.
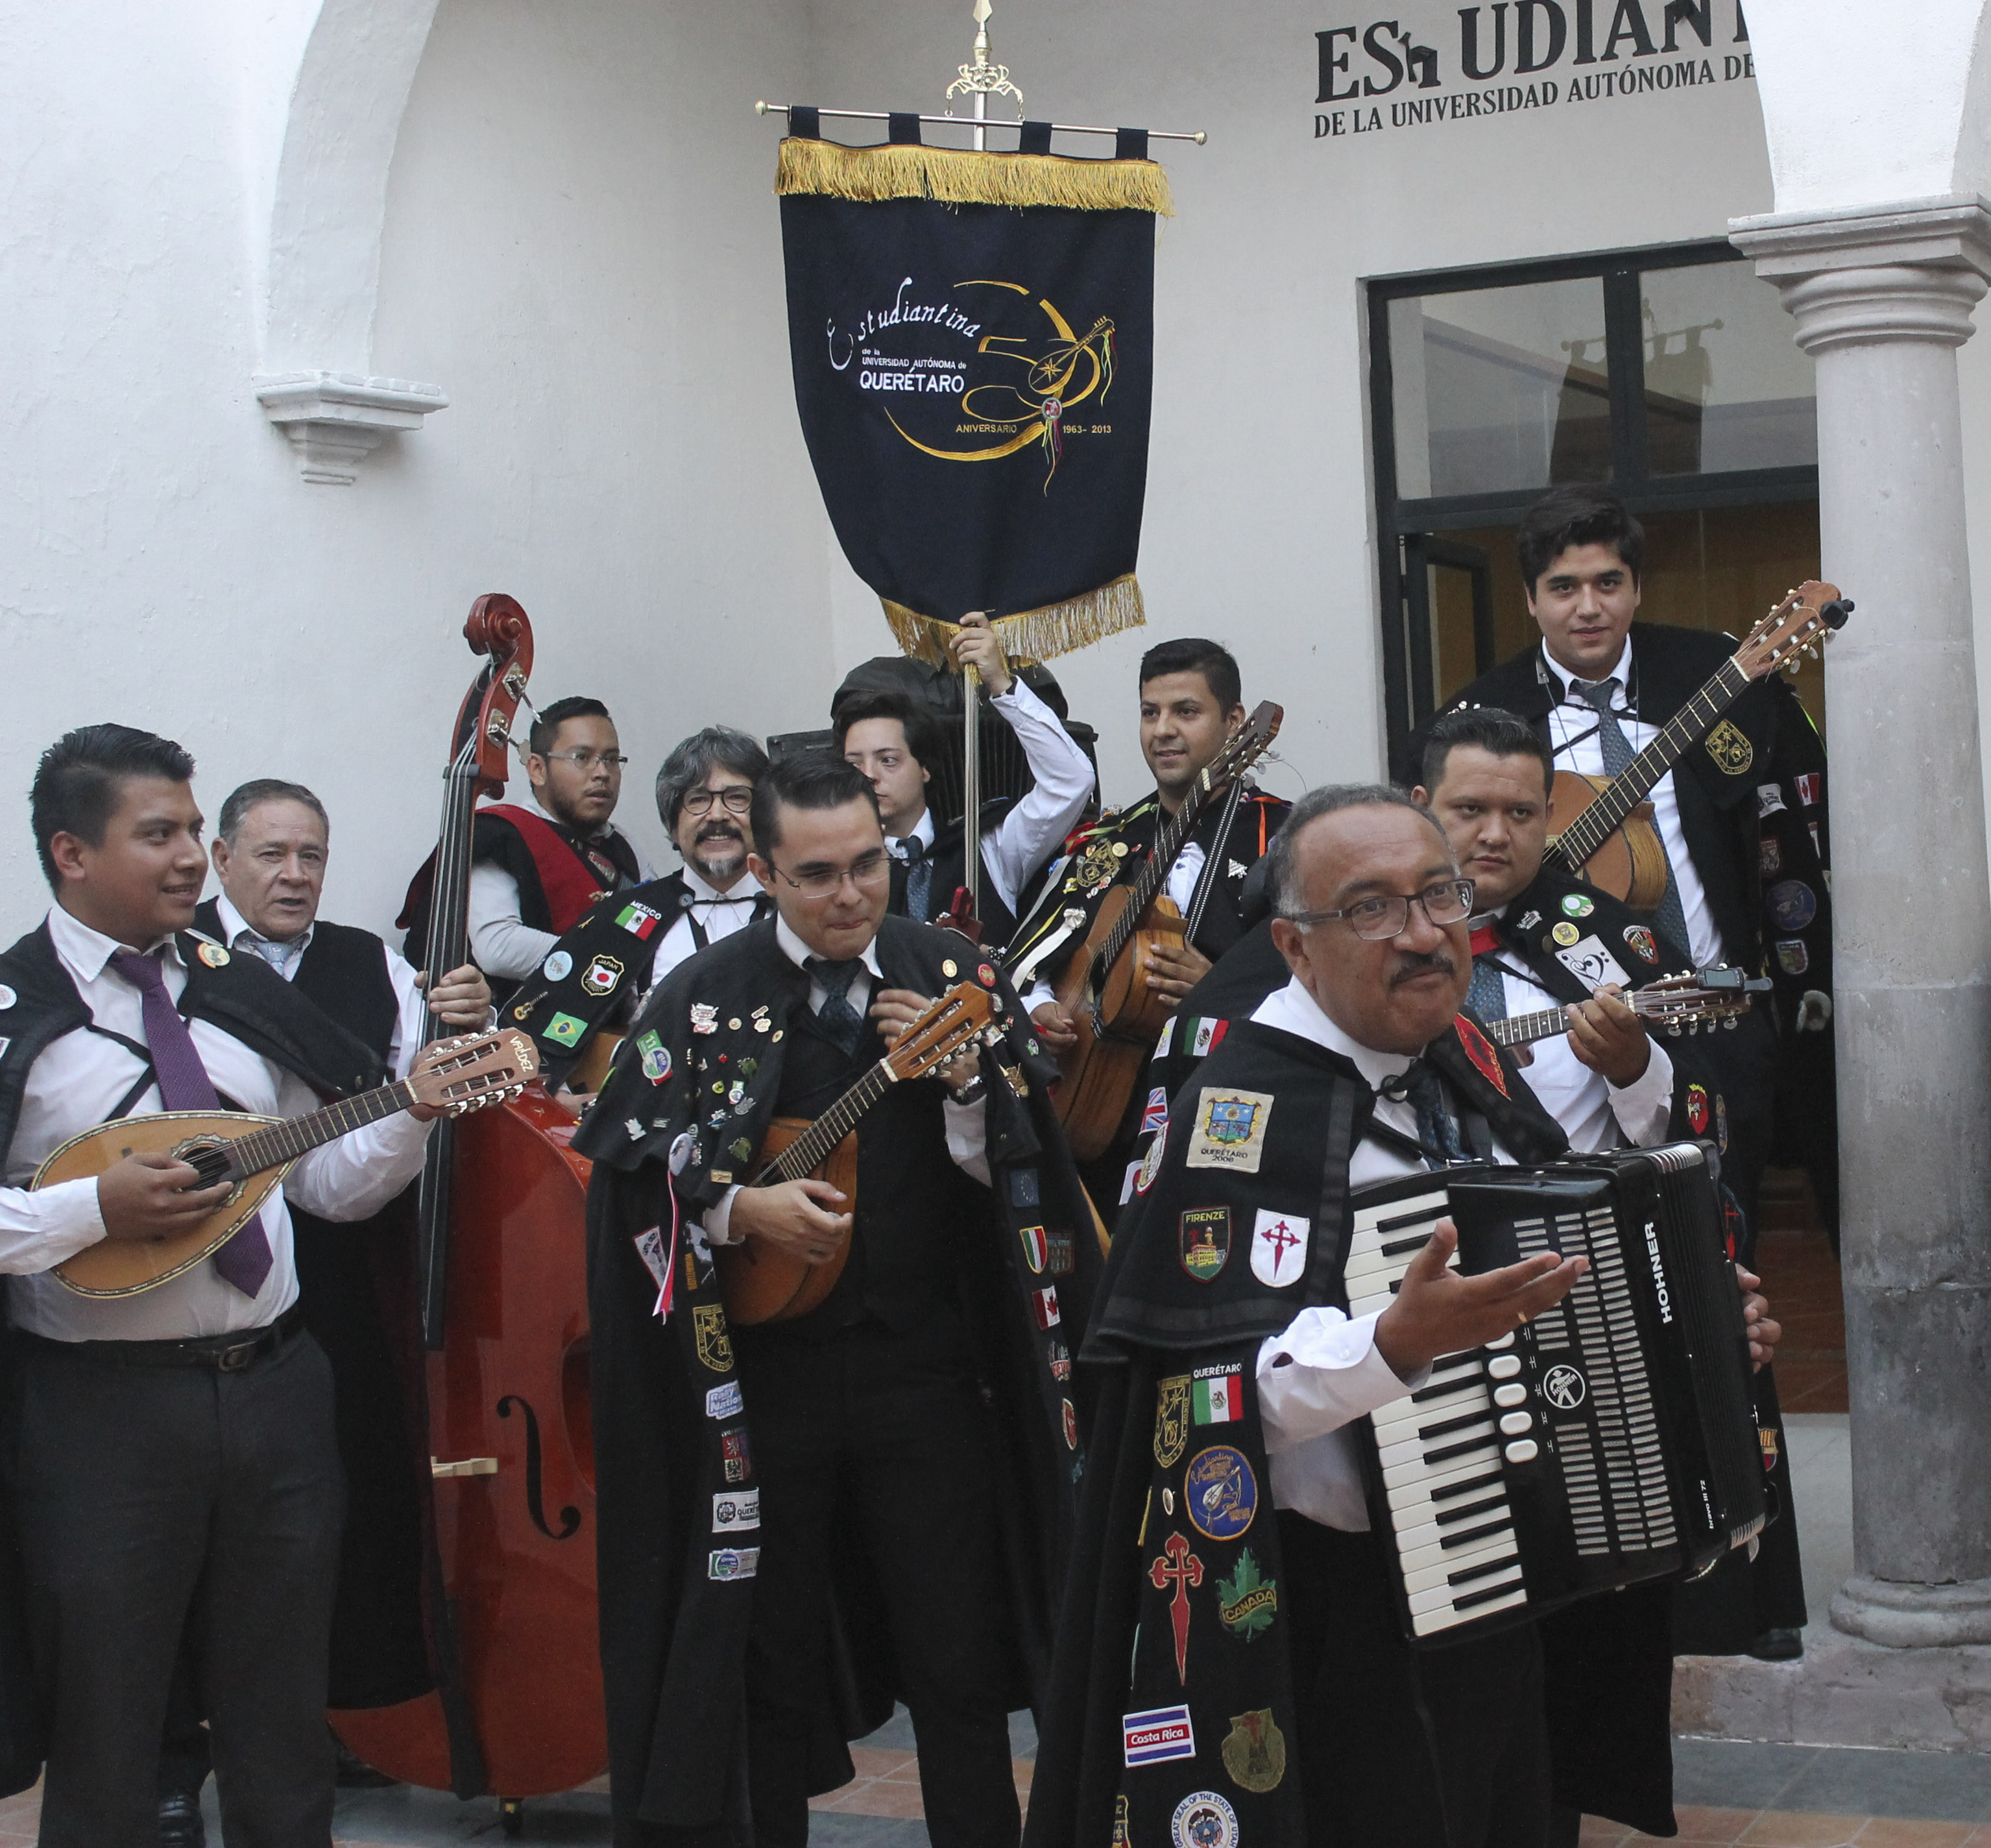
[(210, 1163)]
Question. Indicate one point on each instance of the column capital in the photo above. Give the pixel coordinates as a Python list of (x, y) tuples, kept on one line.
[(1911, 271)]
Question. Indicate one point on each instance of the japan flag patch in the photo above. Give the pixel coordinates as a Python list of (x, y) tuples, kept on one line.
[(1279, 1248)]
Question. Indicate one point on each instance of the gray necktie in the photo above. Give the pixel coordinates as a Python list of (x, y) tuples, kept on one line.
[(1438, 1130), (1668, 914), (919, 877), (1488, 996), (838, 1019)]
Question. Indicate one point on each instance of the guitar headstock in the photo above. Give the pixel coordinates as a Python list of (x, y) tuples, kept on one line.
[(1245, 745), (1797, 627), (480, 1068), (944, 1028), (1713, 997)]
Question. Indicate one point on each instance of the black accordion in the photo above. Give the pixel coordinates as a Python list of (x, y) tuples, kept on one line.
[(1611, 1442)]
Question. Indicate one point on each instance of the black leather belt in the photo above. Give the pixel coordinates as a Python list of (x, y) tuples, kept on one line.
[(222, 1354)]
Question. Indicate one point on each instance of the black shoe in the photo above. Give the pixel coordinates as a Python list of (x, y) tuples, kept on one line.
[(1778, 1645), (354, 1773), (180, 1825)]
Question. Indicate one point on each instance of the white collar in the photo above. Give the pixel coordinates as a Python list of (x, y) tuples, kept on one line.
[(1293, 1010), (799, 953), (235, 926), (743, 890), (923, 832), (1621, 672), (86, 951), (532, 803)]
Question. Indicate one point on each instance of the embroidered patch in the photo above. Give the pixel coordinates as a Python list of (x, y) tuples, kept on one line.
[(1721, 1125), (1770, 855), (1247, 1602), (1592, 963), (1151, 1162), (1217, 1396), (1641, 943), (1044, 1306), (1279, 1247), (1254, 1752), (1792, 957), (732, 1562), (1204, 1241), (1156, 1112), (557, 967), (735, 1510), (1204, 1819), (1733, 753), (1168, 1038), (1209, 1036), (1229, 1130), (735, 1455), (639, 920), (723, 1401), (1155, 1736), (1032, 1237), (1528, 921), (1069, 1415), (1696, 1108), (1170, 1420), (1059, 1356), (1766, 1437), (1059, 1253), (1792, 904), (1807, 788), (1769, 799), (704, 1018), (1022, 1187), (602, 976), (1479, 1050), (714, 1346), (564, 1030)]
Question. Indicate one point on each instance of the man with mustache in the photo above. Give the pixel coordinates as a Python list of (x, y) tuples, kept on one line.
[(596, 974), (1226, 1564)]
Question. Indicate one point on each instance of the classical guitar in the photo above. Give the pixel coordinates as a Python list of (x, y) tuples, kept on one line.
[(1605, 830), (1713, 998), (760, 1282), (1105, 993), (255, 1152)]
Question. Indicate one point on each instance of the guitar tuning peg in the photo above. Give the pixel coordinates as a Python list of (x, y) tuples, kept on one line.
[(1730, 1024), (1673, 1031)]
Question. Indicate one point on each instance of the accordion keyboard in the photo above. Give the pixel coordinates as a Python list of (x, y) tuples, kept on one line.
[(1440, 1449)]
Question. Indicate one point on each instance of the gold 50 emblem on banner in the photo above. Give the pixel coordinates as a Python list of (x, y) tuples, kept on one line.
[(964, 381)]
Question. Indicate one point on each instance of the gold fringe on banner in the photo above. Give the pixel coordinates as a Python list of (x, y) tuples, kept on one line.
[(1029, 635), (959, 176)]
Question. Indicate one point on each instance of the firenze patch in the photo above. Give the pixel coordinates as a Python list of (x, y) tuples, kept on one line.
[(1229, 1130), (1587, 959), (1279, 1248), (1159, 1734), (736, 1511)]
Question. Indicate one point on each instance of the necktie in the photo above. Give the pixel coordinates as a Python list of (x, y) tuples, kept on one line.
[(919, 877), (1488, 996), (279, 956), (1437, 1131), (1668, 914), (839, 1020), (184, 1084)]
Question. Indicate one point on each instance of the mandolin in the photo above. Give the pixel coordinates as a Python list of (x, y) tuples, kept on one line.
[(1105, 993), (1607, 834), (255, 1152), (1713, 998), (760, 1282)]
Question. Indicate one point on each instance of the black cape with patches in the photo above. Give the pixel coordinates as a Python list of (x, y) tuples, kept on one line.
[(674, 1629), (1752, 805), (244, 998), (1162, 1329)]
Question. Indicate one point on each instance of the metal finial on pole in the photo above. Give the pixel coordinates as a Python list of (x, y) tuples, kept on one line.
[(982, 79)]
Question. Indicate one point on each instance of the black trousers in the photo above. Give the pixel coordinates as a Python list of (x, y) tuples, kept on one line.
[(1401, 1747), (875, 1442), (160, 1502)]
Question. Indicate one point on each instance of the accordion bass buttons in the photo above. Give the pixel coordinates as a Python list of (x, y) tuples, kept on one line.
[(1513, 1424), (1525, 1452), (1504, 1366), (1513, 1392), (1505, 1340)]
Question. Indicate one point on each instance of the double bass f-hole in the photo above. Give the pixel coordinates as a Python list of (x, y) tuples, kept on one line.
[(570, 1515)]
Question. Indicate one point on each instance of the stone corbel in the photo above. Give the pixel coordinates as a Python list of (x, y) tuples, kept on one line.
[(337, 419)]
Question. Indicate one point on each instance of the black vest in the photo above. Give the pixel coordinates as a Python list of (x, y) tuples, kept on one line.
[(914, 1206), (948, 855), (345, 972)]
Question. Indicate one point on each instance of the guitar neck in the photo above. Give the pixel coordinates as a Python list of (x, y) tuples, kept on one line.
[(285, 1142), (1169, 838), (1604, 816), (1525, 1029), (814, 1146)]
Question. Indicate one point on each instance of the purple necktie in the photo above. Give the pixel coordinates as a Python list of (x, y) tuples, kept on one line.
[(184, 1084)]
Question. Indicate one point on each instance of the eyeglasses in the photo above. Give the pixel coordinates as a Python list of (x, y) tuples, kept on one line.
[(610, 760), (866, 873), (1375, 919), (738, 798)]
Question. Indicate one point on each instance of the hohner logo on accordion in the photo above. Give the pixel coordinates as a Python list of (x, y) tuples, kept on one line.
[(1611, 1442)]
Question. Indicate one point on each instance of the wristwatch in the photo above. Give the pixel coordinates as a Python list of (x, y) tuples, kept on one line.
[(970, 1093)]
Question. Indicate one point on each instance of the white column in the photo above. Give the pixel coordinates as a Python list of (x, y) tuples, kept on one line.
[(1882, 298)]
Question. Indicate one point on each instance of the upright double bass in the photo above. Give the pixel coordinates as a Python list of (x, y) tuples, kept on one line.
[(502, 1262)]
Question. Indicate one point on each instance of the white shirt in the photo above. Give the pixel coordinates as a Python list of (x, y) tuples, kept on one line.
[(501, 944), (719, 915), (1576, 718), (966, 1132), (1594, 1113), (406, 1045), (78, 1079), (1029, 833), (1323, 1372)]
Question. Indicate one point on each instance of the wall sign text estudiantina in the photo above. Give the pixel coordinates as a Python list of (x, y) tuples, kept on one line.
[(1516, 55)]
